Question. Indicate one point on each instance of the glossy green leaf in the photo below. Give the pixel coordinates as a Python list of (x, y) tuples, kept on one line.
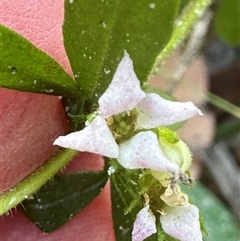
[(62, 198), (218, 221), (227, 21), (96, 33), (25, 67), (122, 196)]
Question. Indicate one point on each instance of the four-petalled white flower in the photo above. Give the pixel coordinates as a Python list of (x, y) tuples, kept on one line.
[(142, 150), (124, 94)]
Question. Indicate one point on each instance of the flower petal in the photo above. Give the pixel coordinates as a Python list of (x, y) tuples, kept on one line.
[(144, 225), (182, 222), (95, 138), (155, 111), (143, 151), (123, 93)]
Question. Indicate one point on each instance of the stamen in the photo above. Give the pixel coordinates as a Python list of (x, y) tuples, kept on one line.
[(110, 121), (161, 211), (146, 199)]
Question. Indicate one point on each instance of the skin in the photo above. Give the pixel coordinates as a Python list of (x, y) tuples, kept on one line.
[(30, 123)]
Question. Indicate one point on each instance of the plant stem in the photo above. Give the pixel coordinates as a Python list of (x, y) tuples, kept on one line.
[(224, 105), (35, 180), (183, 25)]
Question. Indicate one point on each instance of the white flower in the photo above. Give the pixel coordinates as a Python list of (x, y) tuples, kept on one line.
[(95, 138), (181, 222), (143, 151), (144, 225), (125, 94)]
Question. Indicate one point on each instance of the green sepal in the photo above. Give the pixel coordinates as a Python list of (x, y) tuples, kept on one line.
[(174, 148), (170, 136), (74, 108)]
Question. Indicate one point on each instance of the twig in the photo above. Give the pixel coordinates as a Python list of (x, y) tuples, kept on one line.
[(184, 24), (225, 171), (191, 50)]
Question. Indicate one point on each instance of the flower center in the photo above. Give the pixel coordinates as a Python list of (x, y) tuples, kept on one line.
[(123, 125)]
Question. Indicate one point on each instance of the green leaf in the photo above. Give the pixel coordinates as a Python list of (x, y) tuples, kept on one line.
[(218, 221), (227, 21), (62, 198), (120, 199), (25, 67), (122, 196), (227, 129), (183, 4), (96, 33), (35, 180)]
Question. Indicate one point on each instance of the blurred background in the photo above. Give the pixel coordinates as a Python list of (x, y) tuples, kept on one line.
[(206, 71)]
